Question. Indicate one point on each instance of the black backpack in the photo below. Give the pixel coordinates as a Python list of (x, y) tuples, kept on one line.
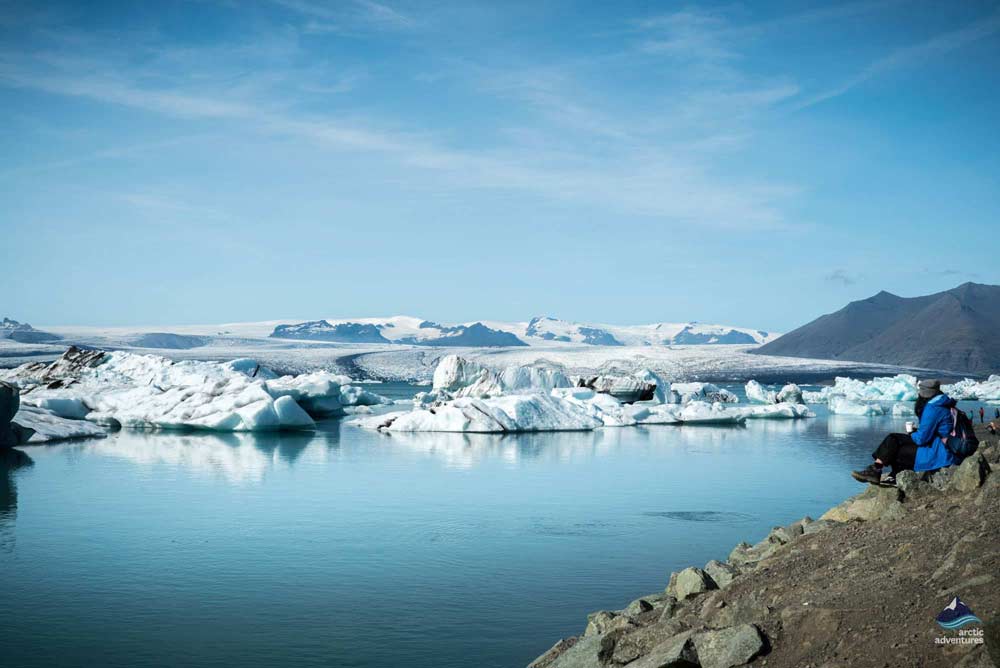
[(962, 441)]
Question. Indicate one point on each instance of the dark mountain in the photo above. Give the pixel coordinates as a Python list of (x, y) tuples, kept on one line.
[(956, 330), (22, 332), (475, 335), (321, 330)]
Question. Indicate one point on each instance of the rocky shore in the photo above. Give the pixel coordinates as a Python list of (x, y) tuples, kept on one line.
[(860, 586)]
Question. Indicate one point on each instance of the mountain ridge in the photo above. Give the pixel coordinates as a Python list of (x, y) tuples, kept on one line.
[(954, 330)]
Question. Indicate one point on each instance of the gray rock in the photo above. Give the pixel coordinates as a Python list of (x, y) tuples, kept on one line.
[(674, 652), (970, 474), (589, 652), (553, 653), (728, 647), (669, 609), (637, 607), (785, 535), (875, 503), (721, 572), (641, 641), (817, 526), (604, 621), (913, 486), (747, 556), (11, 433), (941, 479), (689, 582)]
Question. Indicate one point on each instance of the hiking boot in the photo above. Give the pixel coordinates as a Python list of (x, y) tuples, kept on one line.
[(872, 474)]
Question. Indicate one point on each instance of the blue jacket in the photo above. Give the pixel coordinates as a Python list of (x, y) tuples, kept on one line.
[(935, 423)]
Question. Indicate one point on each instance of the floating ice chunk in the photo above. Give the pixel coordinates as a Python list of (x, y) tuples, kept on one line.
[(706, 392), (702, 412), (902, 410), (50, 427), (884, 388), (969, 389), (840, 405), (758, 394), (790, 394), (598, 405), (151, 392), (655, 413), (779, 411), (459, 377)]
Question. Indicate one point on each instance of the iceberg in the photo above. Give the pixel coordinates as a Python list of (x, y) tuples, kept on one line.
[(902, 410), (456, 377), (757, 394), (841, 405), (119, 389), (706, 392), (902, 387), (50, 427), (790, 394), (969, 389)]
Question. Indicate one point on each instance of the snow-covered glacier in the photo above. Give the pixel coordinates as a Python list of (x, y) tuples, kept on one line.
[(119, 389)]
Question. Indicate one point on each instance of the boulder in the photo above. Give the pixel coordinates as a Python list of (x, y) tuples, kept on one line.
[(640, 642), (689, 582), (588, 652), (637, 607), (941, 479), (913, 486), (970, 474), (875, 503), (603, 621), (785, 535), (675, 652), (728, 647), (746, 555), (545, 660), (721, 572)]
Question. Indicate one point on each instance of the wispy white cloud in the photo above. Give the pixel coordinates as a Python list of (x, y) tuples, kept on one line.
[(909, 56)]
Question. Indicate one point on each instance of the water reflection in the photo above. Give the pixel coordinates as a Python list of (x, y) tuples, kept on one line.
[(10, 462), (236, 457)]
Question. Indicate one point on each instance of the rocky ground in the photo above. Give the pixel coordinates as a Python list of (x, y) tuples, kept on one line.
[(859, 587)]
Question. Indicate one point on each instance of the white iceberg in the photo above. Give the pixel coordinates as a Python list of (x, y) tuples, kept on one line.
[(756, 393), (152, 392), (902, 410), (841, 405), (456, 377), (902, 387), (790, 394), (973, 390), (50, 427), (705, 392)]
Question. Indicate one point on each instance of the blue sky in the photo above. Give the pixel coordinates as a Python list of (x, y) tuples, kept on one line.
[(754, 164)]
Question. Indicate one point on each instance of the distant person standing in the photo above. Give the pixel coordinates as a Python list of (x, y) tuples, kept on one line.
[(998, 413), (982, 415)]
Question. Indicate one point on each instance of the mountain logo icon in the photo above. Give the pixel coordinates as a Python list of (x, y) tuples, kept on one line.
[(956, 615)]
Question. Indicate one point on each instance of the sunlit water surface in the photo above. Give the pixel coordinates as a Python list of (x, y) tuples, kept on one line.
[(350, 548)]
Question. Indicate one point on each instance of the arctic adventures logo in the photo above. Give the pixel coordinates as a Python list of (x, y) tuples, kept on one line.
[(954, 616)]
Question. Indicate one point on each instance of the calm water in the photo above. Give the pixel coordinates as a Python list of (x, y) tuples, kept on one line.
[(350, 548)]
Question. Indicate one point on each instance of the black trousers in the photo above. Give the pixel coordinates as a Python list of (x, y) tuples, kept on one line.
[(898, 451)]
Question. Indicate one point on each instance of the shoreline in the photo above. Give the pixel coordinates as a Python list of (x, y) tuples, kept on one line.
[(860, 586)]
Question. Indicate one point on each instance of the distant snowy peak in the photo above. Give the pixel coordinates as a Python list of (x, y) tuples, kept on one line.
[(22, 332), (541, 330), (322, 330), (545, 328), (401, 330)]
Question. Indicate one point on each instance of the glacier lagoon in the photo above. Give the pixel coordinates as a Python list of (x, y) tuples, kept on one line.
[(346, 547)]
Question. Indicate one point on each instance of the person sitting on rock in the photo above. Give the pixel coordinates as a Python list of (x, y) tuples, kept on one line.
[(923, 449)]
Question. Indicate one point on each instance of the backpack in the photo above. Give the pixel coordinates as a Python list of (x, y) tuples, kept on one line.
[(962, 440)]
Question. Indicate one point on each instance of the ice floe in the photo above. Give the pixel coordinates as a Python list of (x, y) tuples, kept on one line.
[(841, 405), (50, 427), (987, 390), (470, 398), (132, 391)]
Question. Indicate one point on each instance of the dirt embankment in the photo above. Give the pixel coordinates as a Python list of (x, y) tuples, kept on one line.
[(861, 586)]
